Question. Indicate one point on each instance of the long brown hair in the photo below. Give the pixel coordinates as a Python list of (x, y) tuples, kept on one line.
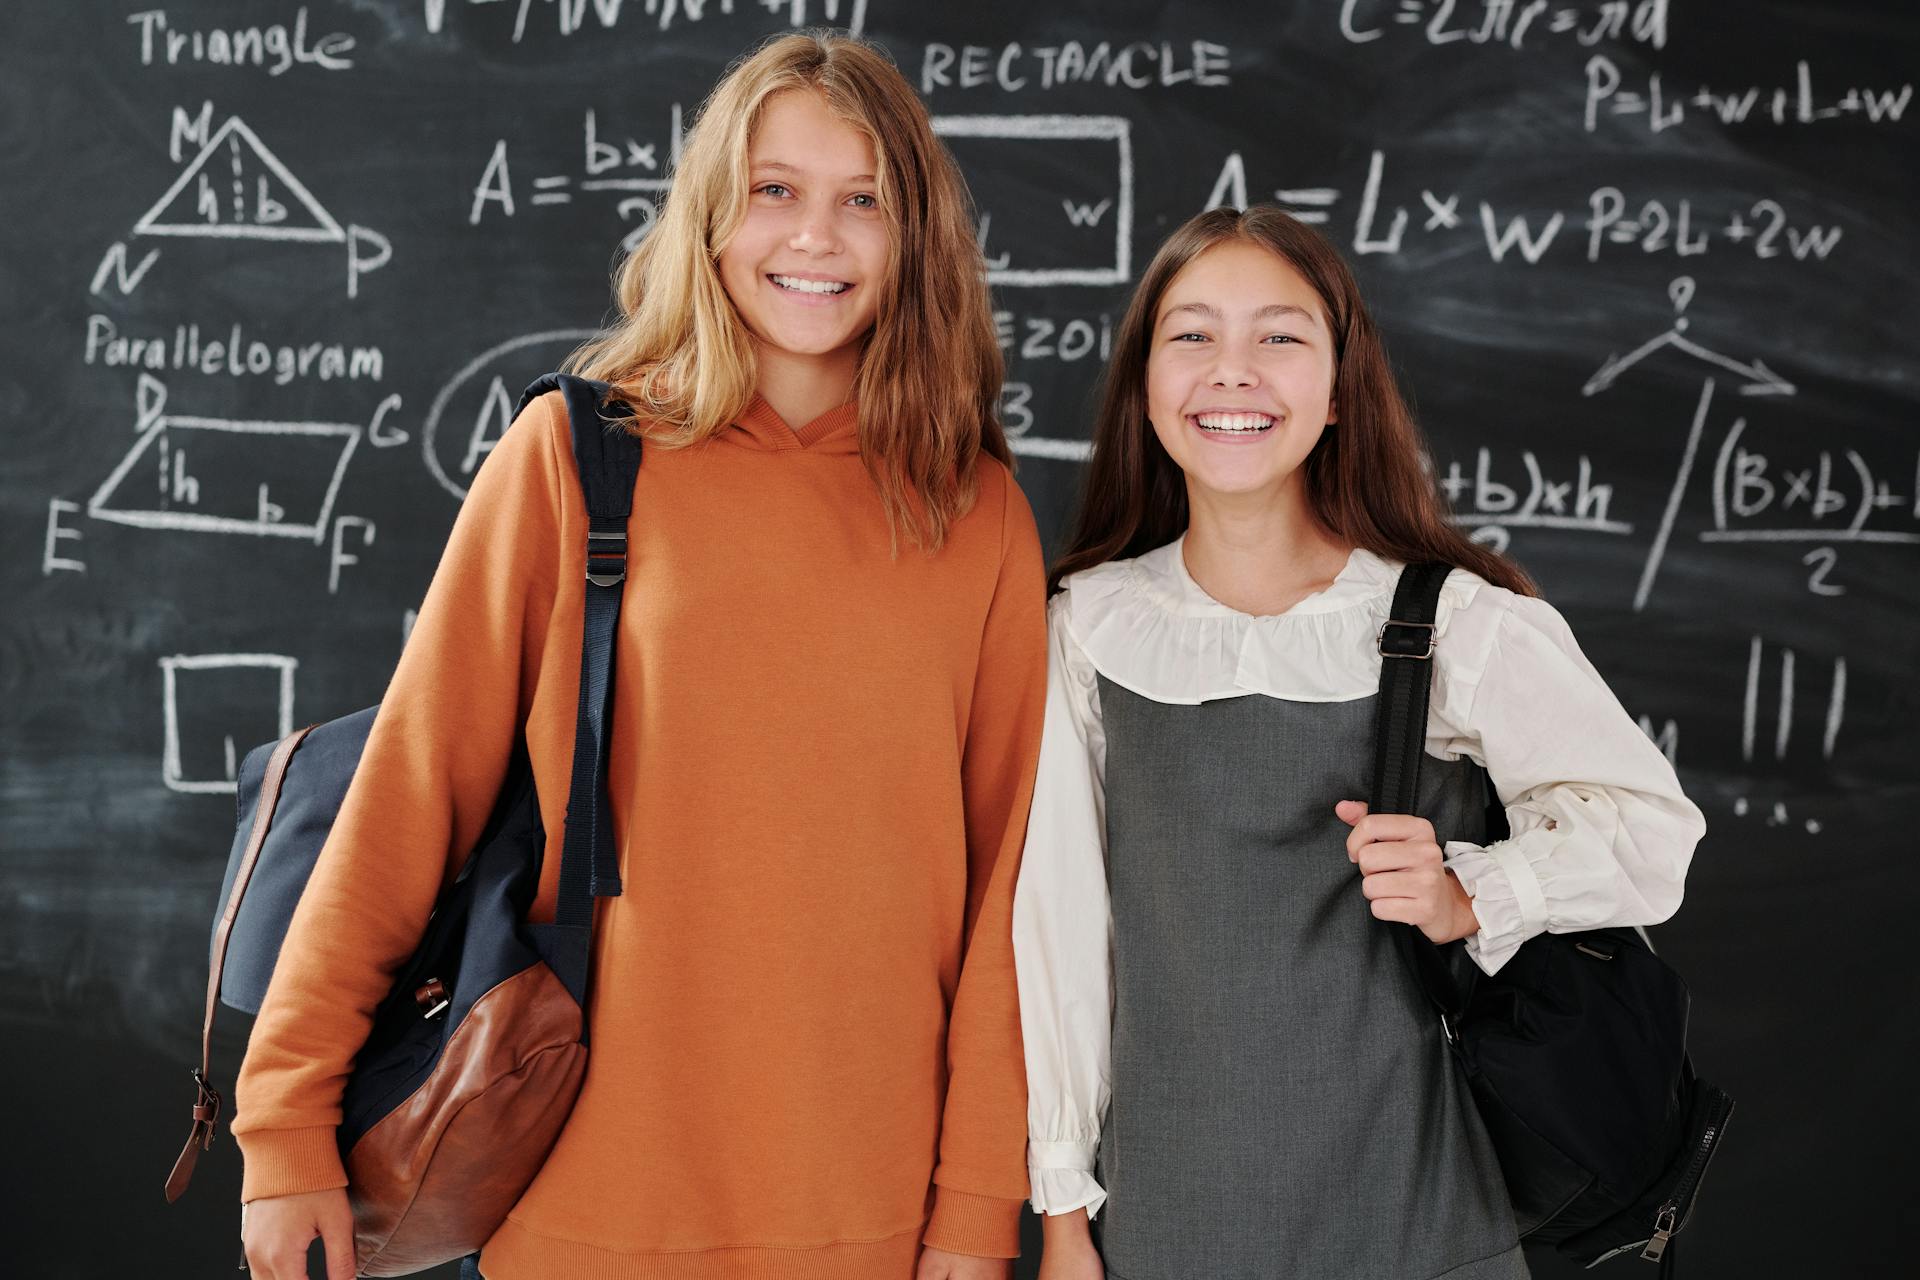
[(1366, 479), (928, 384)]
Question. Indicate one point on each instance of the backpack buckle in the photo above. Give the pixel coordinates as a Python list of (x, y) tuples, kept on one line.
[(206, 1110), (606, 558), (1418, 645), (432, 998)]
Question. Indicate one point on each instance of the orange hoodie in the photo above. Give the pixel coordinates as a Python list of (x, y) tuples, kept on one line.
[(805, 1038)]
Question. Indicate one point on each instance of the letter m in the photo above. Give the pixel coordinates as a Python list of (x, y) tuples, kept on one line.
[(195, 129)]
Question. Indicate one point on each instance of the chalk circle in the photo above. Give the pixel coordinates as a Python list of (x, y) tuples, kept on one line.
[(471, 372)]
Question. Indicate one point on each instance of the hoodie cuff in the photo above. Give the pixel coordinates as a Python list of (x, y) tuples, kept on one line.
[(978, 1226), (285, 1162)]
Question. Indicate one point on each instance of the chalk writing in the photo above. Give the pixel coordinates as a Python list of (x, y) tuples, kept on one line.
[(1135, 65), (1509, 23), (276, 48), (570, 16), (1664, 109), (234, 354)]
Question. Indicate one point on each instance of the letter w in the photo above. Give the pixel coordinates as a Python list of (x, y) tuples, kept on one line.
[(1498, 242), (1082, 215)]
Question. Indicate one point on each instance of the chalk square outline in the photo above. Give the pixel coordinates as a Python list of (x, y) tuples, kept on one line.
[(1115, 129), (170, 752)]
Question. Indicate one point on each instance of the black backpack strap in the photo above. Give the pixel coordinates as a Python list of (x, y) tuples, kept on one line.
[(608, 461), (1407, 645)]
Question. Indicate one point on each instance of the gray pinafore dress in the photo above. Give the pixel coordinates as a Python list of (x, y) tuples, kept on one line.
[(1283, 1104)]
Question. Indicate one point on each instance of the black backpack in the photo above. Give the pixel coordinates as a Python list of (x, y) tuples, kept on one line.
[(524, 984), (1576, 1051)]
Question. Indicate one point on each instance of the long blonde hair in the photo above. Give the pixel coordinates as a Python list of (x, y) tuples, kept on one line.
[(928, 384)]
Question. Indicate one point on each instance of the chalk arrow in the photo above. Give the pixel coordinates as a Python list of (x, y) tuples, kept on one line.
[(1604, 376), (1765, 382)]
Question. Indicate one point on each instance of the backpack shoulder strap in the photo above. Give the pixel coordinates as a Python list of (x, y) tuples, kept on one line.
[(1407, 645), (607, 460), (607, 463)]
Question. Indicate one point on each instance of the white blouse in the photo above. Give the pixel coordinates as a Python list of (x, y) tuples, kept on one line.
[(1601, 834)]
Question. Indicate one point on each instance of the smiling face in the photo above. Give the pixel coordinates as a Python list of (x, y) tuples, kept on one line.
[(1240, 371), (806, 267)]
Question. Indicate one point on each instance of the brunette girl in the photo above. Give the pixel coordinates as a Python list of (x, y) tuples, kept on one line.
[(831, 674), (1229, 1068)]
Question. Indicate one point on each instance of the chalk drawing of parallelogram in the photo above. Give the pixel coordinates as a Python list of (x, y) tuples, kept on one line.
[(222, 694), (220, 475), (1062, 176), (237, 187)]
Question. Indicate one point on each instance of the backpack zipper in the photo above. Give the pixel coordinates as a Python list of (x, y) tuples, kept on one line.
[(1667, 1220)]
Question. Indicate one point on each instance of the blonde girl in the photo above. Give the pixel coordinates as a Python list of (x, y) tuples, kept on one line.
[(830, 680)]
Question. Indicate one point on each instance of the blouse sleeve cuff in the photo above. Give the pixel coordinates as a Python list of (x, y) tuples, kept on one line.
[(1064, 1190), (1507, 898), (1062, 1177)]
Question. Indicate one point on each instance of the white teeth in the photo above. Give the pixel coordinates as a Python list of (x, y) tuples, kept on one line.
[(1235, 422), (811, 286)]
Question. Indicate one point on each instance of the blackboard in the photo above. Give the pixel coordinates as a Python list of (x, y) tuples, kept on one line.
[(275, 272)]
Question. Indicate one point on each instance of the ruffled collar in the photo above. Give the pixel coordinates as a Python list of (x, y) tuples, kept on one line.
[(1148, 626)]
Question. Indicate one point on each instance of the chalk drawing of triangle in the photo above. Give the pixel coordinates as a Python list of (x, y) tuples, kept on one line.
[(227, 189)]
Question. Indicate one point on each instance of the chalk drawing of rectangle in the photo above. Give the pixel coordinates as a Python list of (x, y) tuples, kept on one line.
[(170, 768), (1115, 129), (109, 502)]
